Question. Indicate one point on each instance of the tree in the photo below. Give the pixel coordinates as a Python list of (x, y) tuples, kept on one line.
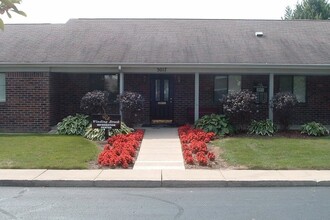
[(309, 9), (8, 6)]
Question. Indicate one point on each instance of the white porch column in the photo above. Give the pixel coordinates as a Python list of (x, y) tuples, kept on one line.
[(121, 88), (121, 83), (196, 107), (270, 96)]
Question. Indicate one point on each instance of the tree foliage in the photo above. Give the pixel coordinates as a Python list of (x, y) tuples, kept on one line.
[(309, 9), (8, 6)]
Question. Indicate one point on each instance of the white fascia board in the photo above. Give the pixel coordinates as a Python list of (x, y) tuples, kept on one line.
[(170, 68)]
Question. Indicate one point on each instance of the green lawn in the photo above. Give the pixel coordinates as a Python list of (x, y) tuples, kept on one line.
[(34, 151), (276, 152)]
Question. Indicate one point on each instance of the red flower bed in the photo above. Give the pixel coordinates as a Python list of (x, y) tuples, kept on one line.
[(194, 145), (121, 150)]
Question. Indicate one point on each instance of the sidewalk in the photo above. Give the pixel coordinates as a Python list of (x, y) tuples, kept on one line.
[(163, 178), (160, 150)]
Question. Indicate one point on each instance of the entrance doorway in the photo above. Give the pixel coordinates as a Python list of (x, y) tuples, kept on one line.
[(161, 103)]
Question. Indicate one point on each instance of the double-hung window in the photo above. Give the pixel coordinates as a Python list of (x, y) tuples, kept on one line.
[(2, 87), (295, 85), (224, 84)]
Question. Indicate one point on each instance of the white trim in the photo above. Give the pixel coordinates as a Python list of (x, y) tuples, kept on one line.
[(196, 107), (121, 83), (121, 91), (172, 68)]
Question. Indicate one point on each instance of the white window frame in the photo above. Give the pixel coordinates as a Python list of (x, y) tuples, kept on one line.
[(300, 93), (234, 84)]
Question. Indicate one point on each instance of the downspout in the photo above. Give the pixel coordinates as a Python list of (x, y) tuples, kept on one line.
[(270, 97), (196, 107), (121, 88)]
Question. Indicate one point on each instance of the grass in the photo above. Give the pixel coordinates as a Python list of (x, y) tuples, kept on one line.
[(35, 151), (276, 152)]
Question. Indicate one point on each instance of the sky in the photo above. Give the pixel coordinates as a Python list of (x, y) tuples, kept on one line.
[(60, 11)]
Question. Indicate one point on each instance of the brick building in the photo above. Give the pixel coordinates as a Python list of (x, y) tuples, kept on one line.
[(181, 67)]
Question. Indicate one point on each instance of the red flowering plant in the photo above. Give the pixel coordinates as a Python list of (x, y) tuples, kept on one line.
[(121, 150), (194, 145)]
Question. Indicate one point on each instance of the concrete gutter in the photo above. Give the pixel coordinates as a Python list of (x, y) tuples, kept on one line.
[(163, 178)]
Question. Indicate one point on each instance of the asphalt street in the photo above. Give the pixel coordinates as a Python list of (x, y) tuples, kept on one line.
[(165, 203)]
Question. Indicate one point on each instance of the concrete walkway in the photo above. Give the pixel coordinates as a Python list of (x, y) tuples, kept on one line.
[(160, 150)]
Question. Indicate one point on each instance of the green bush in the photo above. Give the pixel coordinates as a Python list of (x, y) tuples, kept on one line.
[(97, 134), (219, 124), (73, 125), (264, 127), (314, 129)]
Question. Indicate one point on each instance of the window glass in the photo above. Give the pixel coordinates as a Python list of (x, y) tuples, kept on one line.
[(295, 85), (220, 87), (2, 87), (234, 84), (299, 88), (286, 84), (226, 84), (111, 85)]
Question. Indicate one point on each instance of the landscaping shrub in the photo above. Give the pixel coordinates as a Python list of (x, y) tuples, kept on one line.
[(194, 145), (73, 125), (95, 102), (219, 124), (98, 134), (314, 129), (240, 106), (131, 106), (283, 104), (264, 127)]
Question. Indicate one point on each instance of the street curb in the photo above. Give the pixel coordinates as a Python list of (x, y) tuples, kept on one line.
[(164, 178), (159, 184)]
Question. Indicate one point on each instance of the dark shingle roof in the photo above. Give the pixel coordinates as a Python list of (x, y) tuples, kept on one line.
[(107, 41)]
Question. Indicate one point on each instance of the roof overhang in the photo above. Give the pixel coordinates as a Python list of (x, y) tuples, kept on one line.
[(170, 68)]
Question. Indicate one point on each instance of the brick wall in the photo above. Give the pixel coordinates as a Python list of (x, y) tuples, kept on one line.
[(184, 90), (35, 101), (68, 89), (140, 83), (27, 106), (317, 106)]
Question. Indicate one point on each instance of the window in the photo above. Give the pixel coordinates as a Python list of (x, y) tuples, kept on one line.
[(226, 84), (2, 87), (295, 85)]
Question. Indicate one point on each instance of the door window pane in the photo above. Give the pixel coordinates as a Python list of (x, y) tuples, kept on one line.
[(157, 90), (166, 90), (2, 87)]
